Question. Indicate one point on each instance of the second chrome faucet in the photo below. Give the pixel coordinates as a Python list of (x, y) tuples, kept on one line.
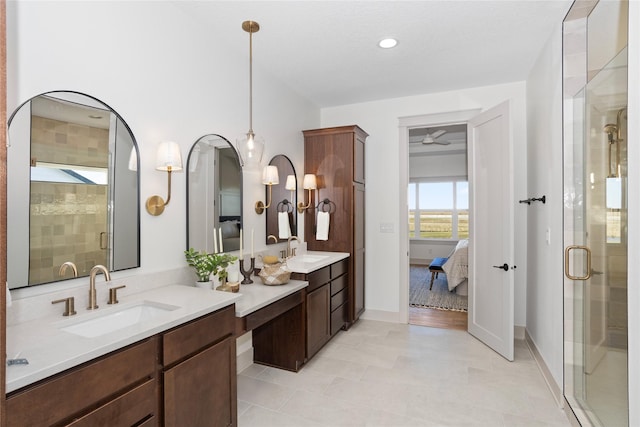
[(92, 284)]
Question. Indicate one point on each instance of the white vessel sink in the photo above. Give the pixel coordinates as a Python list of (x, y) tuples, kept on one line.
[(116, 318)]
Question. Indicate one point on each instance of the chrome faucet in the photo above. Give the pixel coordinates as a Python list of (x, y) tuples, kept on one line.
[(92, 284), (271, 236), (290, 252), (64, 266)]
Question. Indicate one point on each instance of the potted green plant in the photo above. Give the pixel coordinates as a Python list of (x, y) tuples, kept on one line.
[(206, 264), (203, 263), (222, 262)]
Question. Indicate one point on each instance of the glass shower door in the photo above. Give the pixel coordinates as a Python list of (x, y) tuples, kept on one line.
[(596, 233)]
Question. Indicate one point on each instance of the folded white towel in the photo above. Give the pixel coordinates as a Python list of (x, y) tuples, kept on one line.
[(322, 226), (284, 230)]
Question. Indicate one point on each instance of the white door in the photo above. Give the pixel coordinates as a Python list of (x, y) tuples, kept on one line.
[(491, 230)]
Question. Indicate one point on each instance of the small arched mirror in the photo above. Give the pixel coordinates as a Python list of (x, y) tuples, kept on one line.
[(214, 195), (72, 170), (281, 215)]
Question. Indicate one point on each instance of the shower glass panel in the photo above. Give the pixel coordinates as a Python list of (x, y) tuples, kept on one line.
[(595, 204)]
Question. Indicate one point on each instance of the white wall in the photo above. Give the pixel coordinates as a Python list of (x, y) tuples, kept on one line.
[(544, 152), (380, 120), (167, 81)]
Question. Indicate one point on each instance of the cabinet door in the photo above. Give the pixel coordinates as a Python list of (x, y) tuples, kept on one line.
[(201, 391), (318, 328)]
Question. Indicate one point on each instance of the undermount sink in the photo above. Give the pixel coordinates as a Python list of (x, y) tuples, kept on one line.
[(308, 259), (116, 318)]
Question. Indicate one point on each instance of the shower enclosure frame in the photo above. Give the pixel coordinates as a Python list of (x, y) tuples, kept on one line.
[(593, 127)]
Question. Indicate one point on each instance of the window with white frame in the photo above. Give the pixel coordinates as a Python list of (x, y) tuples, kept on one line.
[(439, 209)]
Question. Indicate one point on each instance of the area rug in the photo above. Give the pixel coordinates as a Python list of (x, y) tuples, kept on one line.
[(438, 297)]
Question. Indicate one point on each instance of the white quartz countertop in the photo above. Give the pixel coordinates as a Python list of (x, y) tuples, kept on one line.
[(256, 295), (51, 350), (310, 261)]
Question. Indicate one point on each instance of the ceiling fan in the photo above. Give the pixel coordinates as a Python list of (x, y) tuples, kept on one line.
[(432, 138)]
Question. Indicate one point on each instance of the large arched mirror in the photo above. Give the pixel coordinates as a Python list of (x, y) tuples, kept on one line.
[(214, 195), (281, 215), (72, 175)]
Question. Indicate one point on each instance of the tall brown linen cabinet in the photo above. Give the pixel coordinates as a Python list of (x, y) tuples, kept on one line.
[(336, 156)]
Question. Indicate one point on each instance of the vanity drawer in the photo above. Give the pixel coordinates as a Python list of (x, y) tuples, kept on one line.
[(187, 339), (339, 268), (339, 284), (338, 299), (318, 278), (139, 405), (72, 392), (339, 318)]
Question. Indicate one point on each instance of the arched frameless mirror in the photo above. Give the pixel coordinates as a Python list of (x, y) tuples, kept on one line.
[(72, 174), (214, 194), (281, 215)]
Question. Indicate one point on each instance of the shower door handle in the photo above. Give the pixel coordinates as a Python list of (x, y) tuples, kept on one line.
[(567, 271)]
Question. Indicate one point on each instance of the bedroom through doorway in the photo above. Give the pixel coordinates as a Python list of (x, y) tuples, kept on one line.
[(438, 199)]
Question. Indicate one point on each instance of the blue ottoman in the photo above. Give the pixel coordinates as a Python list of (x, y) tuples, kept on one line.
[(436, 267)]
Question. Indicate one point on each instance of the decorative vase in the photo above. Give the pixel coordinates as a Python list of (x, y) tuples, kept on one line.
[(204, 285)]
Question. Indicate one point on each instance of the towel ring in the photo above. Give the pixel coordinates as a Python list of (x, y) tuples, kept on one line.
[(324, 203), (285, 206)]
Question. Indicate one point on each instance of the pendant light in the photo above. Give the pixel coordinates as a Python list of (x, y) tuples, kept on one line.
[(250, 146)]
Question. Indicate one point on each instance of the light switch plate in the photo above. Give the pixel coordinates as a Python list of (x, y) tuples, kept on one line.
[(386, 227)]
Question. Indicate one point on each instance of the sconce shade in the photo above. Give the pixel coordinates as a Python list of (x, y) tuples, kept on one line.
[(168, 157), (309, 182), (291, 183), (270, 175)]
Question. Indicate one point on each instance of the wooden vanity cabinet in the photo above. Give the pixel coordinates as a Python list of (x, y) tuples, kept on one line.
[(318, 309), (337, 157), (199, 372), (278, 332), (327, 303), (182, 377), (119, 389)]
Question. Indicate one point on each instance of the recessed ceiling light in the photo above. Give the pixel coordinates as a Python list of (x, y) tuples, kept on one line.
[(388, 43)]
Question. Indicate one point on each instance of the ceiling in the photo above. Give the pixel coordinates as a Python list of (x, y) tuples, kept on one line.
[(327, 50)]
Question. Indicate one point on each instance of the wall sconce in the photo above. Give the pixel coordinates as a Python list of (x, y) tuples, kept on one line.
[(308, 183), (168, 159), (269, 178)]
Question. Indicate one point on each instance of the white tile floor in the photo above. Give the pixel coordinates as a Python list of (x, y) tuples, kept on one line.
[(385, 374)]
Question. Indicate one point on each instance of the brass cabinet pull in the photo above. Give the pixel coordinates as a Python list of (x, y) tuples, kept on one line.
[(567, 273)]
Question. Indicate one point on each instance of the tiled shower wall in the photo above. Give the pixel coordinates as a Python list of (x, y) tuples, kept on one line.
[(66, 225), (68, 222)]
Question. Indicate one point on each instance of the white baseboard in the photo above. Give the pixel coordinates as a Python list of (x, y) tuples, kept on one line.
[(555, 389), (244, 351), (244, 360), (381, 315)]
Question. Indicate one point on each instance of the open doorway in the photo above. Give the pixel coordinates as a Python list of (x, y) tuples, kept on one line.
[(438, 225)]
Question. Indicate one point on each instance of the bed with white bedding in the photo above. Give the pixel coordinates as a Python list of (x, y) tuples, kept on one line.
[(457, 268)]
